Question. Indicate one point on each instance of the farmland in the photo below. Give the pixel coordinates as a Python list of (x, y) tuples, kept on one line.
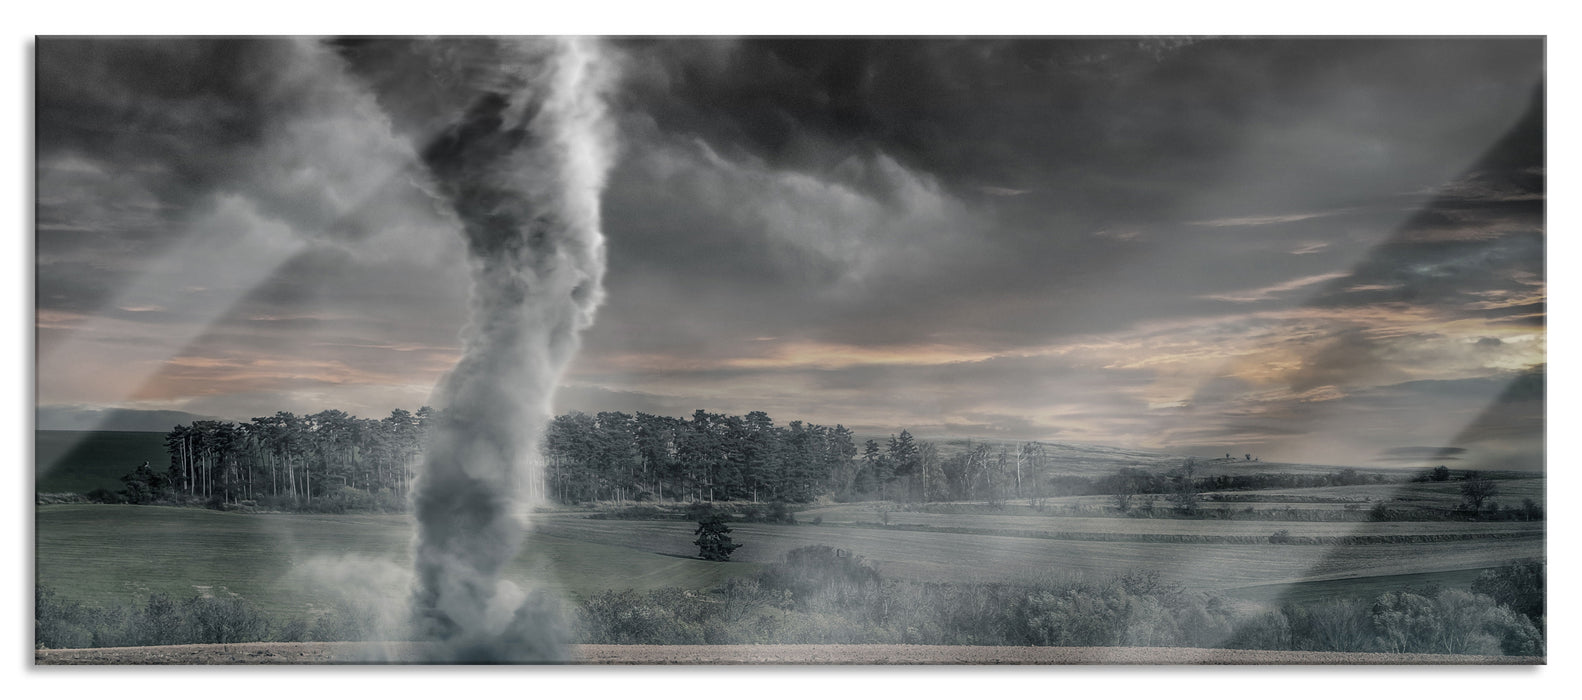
[(955, 557), (1255, 548), (1096, 527), (287, 563), (102, 553), (1513, 488)]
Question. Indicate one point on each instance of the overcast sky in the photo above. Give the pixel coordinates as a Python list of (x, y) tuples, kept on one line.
[(1326, 251)]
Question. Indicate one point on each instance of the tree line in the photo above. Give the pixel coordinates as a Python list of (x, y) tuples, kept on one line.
[(333, 461), (287, 459), (614, 456)]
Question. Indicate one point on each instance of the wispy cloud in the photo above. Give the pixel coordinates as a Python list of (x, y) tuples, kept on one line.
[(1001, 191), (1122, 235), (1269, 292), (1265, 220)]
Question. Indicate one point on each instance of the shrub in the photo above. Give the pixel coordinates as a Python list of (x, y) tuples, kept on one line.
[(1531, 510), (1079, 617), (820, 574), (1341, 625), (58, 623), (294, 630), (104, 495), (161, 622), (699, 512), (45, 499), (342, 622), (628, 617), (780, 512), (738, 597), (1454, 622), (225, 621), (1268, 630), (1518, 585), (1280, 537)]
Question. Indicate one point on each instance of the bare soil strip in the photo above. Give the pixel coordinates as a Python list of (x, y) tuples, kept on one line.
[(359, 653)]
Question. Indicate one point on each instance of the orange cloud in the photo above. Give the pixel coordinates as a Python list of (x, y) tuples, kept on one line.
[(189, 376), (834, 356)]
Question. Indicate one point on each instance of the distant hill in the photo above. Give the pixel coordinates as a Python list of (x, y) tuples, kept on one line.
[(117, 419)]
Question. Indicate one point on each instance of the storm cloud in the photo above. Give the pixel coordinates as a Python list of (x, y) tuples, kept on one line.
[(1318, 250)]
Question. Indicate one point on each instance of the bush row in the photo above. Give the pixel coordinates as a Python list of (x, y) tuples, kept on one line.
[(820, 595), (161, 619), (825, 596)]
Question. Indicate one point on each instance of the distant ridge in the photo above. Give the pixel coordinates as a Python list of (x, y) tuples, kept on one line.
[(123, 419)]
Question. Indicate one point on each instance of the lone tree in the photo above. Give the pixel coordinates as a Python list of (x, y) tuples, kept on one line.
[(1183, 494), (1125, 485), (714, 539), (1476, 489), (1440, 473)]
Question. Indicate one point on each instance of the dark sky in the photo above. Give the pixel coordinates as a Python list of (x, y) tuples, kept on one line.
[(1318, 250)]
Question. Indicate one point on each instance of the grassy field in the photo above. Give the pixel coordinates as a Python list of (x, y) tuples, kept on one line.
[(1033, 521), (936, 556), (1442, 494), (78, 461), (292, 564), (289, 563)]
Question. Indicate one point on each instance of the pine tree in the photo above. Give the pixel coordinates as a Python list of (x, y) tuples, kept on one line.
[(714, 539)]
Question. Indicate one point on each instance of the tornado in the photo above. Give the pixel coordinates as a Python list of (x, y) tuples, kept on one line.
[(515, 143)]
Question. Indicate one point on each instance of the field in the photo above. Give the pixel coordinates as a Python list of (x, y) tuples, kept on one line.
[(1160, 529), (1513, 488), (79, 461), (291, 563), (1444, 494), (947, 556), (293, 566)]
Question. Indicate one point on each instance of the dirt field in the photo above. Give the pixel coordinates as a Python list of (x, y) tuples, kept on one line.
[(778, 654)]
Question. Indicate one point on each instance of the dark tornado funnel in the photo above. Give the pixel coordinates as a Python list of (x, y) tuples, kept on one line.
[(512, 133)]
